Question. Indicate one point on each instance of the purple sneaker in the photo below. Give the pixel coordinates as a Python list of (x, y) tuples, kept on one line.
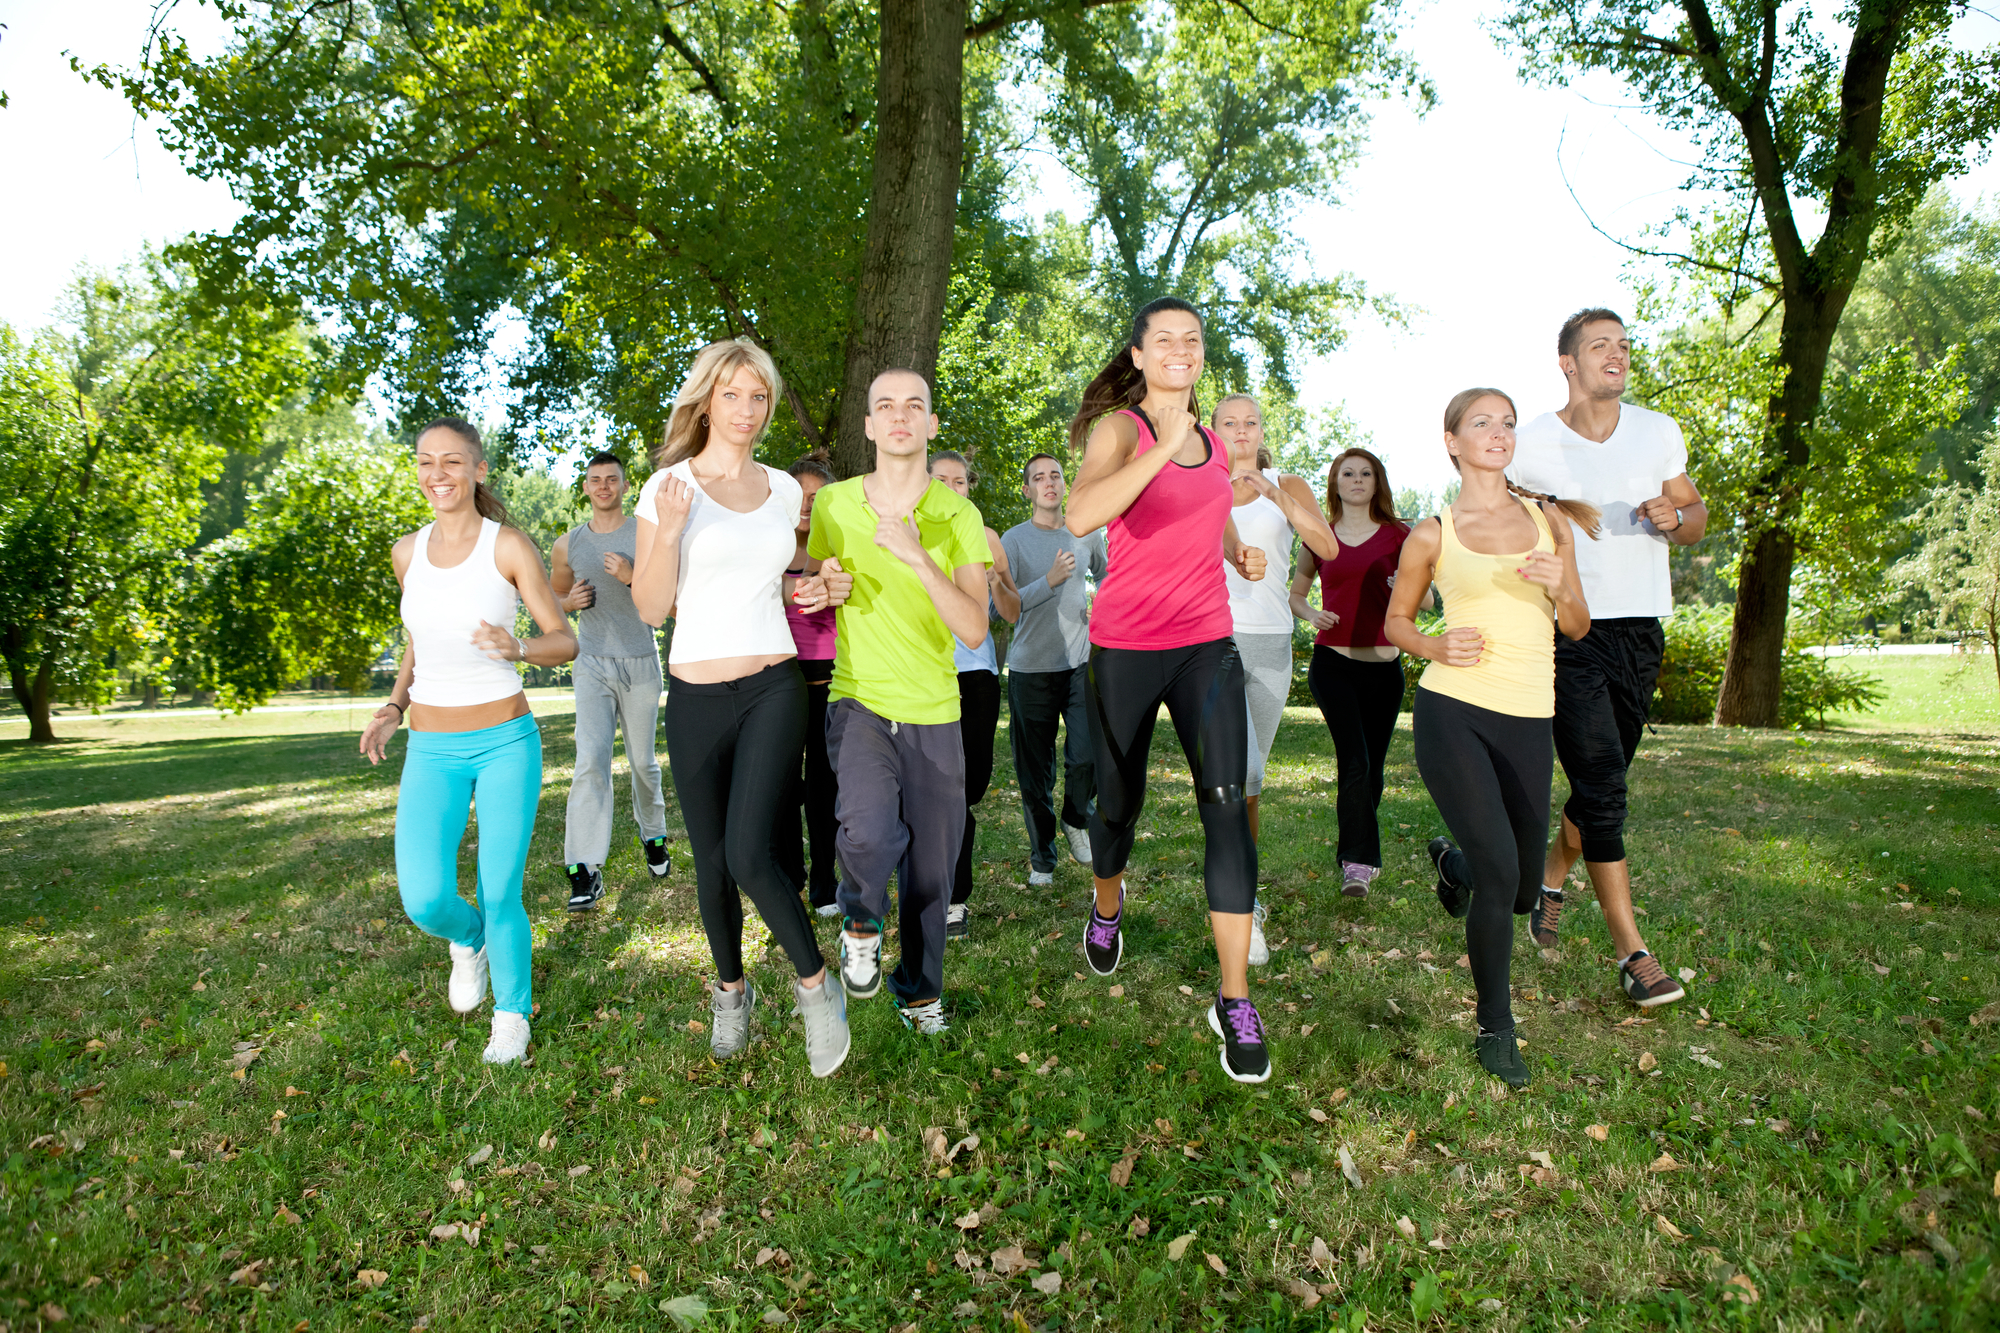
[(1103, 941), (1242, 1031)]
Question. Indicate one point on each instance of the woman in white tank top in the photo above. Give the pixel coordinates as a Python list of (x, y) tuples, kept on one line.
[(470, 729), (1271, 508)]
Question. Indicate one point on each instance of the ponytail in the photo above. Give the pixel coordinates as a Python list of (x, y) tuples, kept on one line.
[(485, 499), (1120, 383), (1586, 516), (817, 463)]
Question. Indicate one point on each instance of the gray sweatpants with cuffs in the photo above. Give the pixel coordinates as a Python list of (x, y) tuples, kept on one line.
[(613, 692)]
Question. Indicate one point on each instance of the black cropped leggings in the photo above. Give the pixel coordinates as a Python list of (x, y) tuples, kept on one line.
[(1202, 687), (1489, 774), (978, 720), (1359, 701), (734, 750)]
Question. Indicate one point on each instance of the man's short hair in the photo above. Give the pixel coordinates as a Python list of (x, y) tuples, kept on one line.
[(1571, 336), (606, 456), (1029, 466), (869, 408)]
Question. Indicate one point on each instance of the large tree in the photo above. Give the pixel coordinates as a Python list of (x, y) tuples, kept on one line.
[(633, 177), (1794, 134)]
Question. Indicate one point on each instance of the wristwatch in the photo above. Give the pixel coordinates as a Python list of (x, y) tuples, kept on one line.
[(1680, 519)]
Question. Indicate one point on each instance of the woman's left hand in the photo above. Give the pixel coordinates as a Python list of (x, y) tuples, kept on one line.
[(1544, 569), (1256, 481), (497, 643), (1250, 562)]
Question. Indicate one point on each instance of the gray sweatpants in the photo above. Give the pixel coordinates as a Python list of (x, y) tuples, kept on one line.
[(612, 692), (1267, 679)]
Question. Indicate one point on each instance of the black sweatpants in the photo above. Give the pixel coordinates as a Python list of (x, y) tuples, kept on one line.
[(1359, 701), (978, 720), (815, 789), (733, 748), (902, 809), (1202, 687), (1039, 705), (1604, 692), (1489, 774)]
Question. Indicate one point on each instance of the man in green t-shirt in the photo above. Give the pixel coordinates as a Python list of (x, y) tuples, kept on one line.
[(917, 552)]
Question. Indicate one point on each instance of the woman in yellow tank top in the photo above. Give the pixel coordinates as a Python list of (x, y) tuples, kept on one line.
[(1505, 567)]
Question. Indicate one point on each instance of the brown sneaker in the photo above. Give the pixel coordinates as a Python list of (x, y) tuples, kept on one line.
[(1547, 913), (1646, 982)]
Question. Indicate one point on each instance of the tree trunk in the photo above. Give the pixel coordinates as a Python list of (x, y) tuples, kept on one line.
[(34, 698), (912, 209), (1753, 672)]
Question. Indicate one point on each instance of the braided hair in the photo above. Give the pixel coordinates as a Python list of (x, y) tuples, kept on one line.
[(1585, 515)]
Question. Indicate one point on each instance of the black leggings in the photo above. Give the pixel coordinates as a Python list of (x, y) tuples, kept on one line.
[(1359, 701), (1489, 774), (816, 790), (978, 719), (734, 751), (1202, 687)]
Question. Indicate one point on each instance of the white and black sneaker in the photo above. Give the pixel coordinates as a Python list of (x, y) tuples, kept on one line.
[(1079, 843), (1244, 1056), (956, 924), (657, 859), (860, 962), (586, 886)]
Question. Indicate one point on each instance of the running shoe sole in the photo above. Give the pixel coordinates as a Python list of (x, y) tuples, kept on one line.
[(1215, 1026)]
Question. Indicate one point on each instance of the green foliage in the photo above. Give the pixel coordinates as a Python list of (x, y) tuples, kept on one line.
[(1691, 675), (1958, 566), (306, 587)]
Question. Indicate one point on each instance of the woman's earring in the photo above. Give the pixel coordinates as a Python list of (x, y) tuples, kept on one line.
[(704, 418)]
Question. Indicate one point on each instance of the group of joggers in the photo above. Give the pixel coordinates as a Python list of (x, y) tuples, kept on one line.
[(830, 654)]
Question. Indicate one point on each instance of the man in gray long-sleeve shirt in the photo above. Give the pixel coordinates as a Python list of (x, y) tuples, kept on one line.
[(1045, 668)]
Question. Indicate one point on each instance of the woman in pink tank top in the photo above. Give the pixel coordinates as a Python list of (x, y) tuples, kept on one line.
[(1160, 632)]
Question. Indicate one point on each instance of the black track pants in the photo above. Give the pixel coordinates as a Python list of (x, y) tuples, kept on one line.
[(1202, 687), (734, 748), (1040, 706), (1489, 774), (1359, 701), (1604, 690)]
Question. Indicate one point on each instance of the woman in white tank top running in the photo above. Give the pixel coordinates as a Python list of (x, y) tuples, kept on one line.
[(471, 733)]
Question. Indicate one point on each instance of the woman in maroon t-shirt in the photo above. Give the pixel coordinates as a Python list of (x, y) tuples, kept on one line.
[(1356, 675)]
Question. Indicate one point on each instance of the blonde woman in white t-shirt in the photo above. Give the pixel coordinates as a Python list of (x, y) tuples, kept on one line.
[(715, 538), (1271, 508)]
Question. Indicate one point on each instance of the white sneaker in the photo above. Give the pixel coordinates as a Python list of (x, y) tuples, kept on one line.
[(1041, 879), (510, 1039), (861, 964), (467, 988), (925, 1018), (957, 921), (828, 909), (824, 1010), (1260, 952), (1079, 843)]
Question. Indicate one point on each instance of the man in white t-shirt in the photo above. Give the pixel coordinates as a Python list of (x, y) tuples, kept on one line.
[(1632, 464)]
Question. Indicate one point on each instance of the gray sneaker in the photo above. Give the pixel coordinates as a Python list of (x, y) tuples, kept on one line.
[(729, 1019), (1079, 843), (1260, 951), (824, 1010)]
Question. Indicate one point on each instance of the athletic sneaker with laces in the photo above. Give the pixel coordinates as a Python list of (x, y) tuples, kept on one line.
[(1355, 878), (1244, 1057), (467, 987), (1544, 920), (1104, 941), (956, 926), (729, 1019), (860, 960), (926, 1018), (823, 1009), (657, 859), (586, 886), (509, 1042), (1079, 843), (1041, 879), (1456, 898), (1500, 1055), (1646, 983), (1260, 951)]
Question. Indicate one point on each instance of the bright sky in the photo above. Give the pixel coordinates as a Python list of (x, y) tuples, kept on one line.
[(1462, 216)]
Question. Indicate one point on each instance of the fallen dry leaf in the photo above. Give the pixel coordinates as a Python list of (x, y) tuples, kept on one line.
[(1666, 1228), (1322, 1257), (1407, 1227), (1117, 992), (286, 1216), (1740, 1288), (576, 1171), (639, 1277), (968, 1222), (1543, 1159), (445, 1231), (1139, 1228), (1981, 1017), (1648, 1061), (1048, 1283), (1347, 1167), (1215, 1262), (246, 1276), (1880, 970), (1665, 1162), (1319, 1117), (1177, 1247), (1302, 1291), (1009, 1261), (1337, 1096), (1121, 1170), (1598, 1132), (484, 1154), (1187, 990), (368, 1279), (53, 1314)]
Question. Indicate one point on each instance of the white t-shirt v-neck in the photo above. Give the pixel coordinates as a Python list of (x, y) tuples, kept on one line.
[(1625, 571)]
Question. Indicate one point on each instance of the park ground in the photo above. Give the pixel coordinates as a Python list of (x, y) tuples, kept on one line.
[(233, 1096)]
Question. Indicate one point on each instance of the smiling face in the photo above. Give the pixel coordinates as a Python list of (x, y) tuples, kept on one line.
[(1484, 439), (449, 466), (1601, 362), (738, 408), (809, 484), (604, 485), (953, 474), (1170, 352), (899, 419), (1241, 426), (1044, 487), (1354, 482)]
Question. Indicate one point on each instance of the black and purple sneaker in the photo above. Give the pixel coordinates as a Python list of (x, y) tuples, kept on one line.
[(1104, 941), (1242, 1031)]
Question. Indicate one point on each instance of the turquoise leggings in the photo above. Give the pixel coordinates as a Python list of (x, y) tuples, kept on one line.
[(442, 773)]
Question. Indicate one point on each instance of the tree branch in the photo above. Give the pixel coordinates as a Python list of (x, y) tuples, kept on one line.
[(1010, 14)]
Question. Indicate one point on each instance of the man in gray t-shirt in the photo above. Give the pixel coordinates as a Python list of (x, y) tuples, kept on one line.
[(617, 677), (1046, 663)]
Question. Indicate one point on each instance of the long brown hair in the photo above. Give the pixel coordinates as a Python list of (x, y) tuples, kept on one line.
[(484, 498), (1585, 515), (687, 426), (1120, 383), (1381, 504)]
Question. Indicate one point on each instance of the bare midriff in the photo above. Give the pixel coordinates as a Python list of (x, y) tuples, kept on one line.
[(1370, 652), (715, 670), (468, 717)]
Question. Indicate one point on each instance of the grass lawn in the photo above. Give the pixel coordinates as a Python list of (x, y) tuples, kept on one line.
[(233, 1094)]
